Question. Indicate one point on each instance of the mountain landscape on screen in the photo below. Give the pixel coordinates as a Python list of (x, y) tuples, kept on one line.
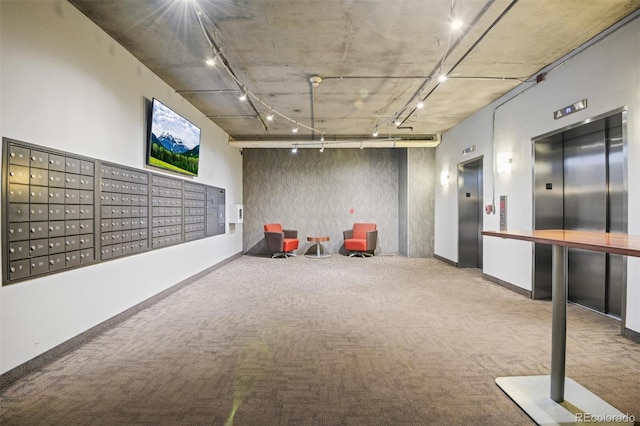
[(174, 142)]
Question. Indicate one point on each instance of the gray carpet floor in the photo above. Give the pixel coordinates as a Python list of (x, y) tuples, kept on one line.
[(338, 341)]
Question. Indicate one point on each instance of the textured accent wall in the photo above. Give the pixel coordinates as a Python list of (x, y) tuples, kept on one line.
[(313, 192), (421, 179), (403, 204)]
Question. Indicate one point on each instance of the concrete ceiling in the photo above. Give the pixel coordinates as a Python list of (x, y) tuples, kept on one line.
[(375, 58)]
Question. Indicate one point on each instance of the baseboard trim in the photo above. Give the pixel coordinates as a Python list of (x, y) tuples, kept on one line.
[(445, 260), (10, 377), (632, 335), (508, 286)]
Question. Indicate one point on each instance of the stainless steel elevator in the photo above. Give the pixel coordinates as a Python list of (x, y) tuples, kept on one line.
[(579, 185), (470, 214)]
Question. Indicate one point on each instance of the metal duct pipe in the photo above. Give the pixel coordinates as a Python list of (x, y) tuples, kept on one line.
[(347, 143)]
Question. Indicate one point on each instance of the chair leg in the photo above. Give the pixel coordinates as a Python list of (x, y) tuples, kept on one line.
[(283, 254), (362, 254)]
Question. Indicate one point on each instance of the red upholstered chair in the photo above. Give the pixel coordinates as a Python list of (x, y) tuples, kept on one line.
[(361, 240), (281, 241)]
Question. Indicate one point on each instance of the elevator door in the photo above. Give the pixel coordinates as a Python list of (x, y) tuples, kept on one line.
[(585, 209), (616, 265), (549, 206), (579, 185), (470, 214)]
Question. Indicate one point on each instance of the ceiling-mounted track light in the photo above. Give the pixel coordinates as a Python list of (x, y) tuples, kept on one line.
[(400, 116), (201, 16)]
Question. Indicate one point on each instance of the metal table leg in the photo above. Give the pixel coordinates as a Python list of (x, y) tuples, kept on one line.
[(568, 403), (558, 322)]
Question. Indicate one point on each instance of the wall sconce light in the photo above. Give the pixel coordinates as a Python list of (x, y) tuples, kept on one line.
[(444, 177), (503, 161)]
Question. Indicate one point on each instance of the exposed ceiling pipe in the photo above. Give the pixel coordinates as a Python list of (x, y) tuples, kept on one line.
[(345, 144), (230, 117), (206, 91), (360, 77), (391, 142), (314, 81)]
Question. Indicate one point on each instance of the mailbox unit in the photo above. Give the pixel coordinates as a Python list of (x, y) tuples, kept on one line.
[(65, 211)]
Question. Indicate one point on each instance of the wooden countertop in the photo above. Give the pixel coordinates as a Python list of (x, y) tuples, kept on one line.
[(628, 245)]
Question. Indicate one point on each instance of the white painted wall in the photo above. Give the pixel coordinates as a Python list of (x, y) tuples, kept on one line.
[(608, 75), (66, 85)]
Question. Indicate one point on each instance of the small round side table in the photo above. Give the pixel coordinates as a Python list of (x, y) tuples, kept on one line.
[(318, 240)]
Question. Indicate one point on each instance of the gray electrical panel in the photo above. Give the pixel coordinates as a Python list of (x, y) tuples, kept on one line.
[(215, 210), (63, 211)]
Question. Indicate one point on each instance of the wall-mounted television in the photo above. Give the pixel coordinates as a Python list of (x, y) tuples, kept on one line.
[(174, 142)]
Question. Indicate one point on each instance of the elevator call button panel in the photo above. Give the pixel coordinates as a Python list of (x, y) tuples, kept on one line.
[(503, 212)]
